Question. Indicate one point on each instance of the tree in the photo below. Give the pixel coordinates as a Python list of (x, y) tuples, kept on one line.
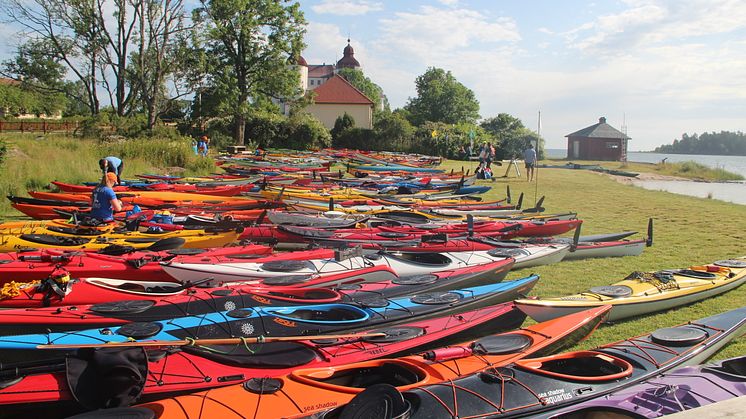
[(342, 124), (393, 132), (160, 55), (249, 43), (364, 84), (512, 137), (441, 98)]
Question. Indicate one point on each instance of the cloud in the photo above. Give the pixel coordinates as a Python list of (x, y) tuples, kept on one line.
[(448, 2), (436, 32), (347, 7), (647, 22)]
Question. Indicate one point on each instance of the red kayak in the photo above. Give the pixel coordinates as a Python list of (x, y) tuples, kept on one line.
[(133, 265), (222, 190), (191, 368), (502, 229)]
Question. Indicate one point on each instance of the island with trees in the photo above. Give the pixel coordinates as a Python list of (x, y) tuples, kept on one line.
[(723, 143)]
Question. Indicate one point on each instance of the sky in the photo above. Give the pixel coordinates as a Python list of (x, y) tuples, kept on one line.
[(659, 67)]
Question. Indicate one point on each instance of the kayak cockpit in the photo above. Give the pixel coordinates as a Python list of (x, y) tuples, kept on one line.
[(137, 287), (422, 258), (356, 377), (579, 366), (311, 295), (326, 313)]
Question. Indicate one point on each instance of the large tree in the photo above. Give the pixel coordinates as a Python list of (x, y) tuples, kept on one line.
[(441, 98), (250, 43)]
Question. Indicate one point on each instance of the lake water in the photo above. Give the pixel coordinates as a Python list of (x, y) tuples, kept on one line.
[(734, 164), (727, 191)]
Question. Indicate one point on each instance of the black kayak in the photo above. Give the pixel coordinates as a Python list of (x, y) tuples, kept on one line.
[(535, 387)]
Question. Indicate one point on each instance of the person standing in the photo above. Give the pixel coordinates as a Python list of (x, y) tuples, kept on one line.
[(104, 201), (529, 157), (114, 165)]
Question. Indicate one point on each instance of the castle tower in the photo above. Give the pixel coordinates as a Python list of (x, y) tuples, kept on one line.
[(348, 60)]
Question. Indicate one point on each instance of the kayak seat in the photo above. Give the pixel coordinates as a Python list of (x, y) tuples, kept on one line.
[(392, 235), (734, 367), (122, 307), (186, 252), (331, 315), (499, 252), (364, 377), (53, 240), (731, 263), (378, 401), (265, 355), (116, 250), (427, 259)]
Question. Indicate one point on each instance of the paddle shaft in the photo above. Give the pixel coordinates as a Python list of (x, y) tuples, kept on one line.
[(188, 342)]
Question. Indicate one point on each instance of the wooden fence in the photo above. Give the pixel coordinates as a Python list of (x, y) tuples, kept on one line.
[(38, 126)]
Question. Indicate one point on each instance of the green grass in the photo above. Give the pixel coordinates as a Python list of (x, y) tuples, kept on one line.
[(688, 231), (32, 161), (688, 169)]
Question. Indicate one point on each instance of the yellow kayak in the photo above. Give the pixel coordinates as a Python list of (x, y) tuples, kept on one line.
[(645, 292), (43, 239)]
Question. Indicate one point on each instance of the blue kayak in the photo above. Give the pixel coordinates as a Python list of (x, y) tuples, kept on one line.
[(368, 310)]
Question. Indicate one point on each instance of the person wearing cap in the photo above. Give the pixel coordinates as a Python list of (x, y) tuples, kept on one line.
[(112, 164), (104, 201)]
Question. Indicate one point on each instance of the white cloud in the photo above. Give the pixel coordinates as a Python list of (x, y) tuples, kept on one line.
[(647, 22), (435, 32), (347, 7), (449, 2)]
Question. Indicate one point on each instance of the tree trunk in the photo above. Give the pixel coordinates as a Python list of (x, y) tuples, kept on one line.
[(239, 128)]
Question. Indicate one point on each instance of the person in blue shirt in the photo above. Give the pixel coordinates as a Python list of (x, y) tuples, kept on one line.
[(529, 157), (104, 201), (112, 164)]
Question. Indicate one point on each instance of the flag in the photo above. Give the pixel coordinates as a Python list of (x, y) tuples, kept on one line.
[(434, 134)]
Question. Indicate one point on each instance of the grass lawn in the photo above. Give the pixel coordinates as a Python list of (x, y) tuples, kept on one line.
[(688, 231)]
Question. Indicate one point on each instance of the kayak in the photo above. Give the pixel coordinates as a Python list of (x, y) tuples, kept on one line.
[(680, 390), (191, 239), (227, 190), (195, 368), (76, 294), (366, 312), (539, 385), (320, 263), (642, 293), (122, 262), (311, 390)]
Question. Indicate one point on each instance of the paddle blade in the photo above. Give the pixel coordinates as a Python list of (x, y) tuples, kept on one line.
[(649, 241), (520, 201), (279, 196), (470, 225), (331, 204), (508, 194), (167, 244), (576, 238)]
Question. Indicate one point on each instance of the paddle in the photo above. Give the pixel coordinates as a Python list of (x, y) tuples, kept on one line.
[(470, 225), (204, 342), (649, 240), (509, 199), (576, 238), (538, 208), (520, 201)]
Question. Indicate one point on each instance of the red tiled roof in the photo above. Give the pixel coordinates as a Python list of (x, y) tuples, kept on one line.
[(339, 90), (316, 71)]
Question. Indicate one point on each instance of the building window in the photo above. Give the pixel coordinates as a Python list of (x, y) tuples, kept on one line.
[(612, 145)]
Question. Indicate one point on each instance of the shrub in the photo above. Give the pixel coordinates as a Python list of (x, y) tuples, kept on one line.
[(304, 132)]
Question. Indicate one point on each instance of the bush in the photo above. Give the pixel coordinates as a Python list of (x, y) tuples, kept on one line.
[(304, 132), (357, 139)]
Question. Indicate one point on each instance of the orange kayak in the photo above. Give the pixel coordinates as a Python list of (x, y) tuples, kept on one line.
[(306, 391), (156, 199)]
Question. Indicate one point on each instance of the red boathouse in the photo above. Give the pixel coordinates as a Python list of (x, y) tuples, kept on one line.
[(600, 141)]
